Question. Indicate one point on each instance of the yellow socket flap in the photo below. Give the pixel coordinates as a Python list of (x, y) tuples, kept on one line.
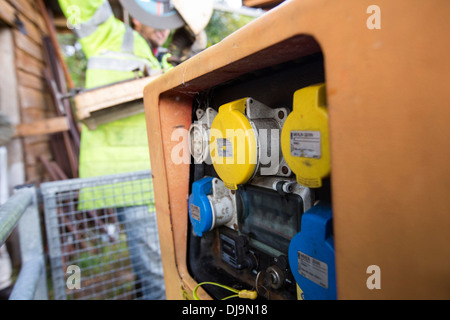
[(304, 137), (233, 145)]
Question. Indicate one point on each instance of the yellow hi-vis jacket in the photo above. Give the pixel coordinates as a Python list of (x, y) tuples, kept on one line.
[(114, 52)]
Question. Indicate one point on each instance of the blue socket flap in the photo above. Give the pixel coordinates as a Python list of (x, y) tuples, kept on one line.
[(200, 212), (311, 254)]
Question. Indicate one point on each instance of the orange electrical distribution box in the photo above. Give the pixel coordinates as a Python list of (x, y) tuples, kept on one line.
[(387, 72)]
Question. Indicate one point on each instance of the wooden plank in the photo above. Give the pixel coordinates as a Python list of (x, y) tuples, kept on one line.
[(108, 96), (24, 7), (24, 43), (32, 114), (46, 126), (36, 139), (34, 99), (30, 97), (32, 31), (34, 150), (28, 63), (176, 112), (29, 9), (29, 80), (40, 23), (114, 113), (7, 13)]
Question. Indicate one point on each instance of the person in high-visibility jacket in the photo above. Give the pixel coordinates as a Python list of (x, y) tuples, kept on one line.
[(115, 52)]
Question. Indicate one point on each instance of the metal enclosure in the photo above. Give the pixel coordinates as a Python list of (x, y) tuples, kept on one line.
[(387, 99)]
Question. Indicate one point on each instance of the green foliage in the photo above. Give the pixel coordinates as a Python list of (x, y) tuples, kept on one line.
[(75, 59), (223, 24)]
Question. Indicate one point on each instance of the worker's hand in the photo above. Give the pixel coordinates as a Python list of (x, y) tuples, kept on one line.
[(166, 65), (174, 60)]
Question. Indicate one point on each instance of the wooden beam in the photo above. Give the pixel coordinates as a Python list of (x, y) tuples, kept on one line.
[(46, 126), (90, 101), (56, 173)]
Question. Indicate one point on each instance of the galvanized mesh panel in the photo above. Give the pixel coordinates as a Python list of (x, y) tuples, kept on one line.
[(102, 238)]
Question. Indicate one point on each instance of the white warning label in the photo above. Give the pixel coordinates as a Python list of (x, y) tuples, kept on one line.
[(306, 144), (195, 212), (313, 269), (224, 148)]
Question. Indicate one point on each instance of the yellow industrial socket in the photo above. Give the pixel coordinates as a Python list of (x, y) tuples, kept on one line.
[(304, 137), (233, 145)]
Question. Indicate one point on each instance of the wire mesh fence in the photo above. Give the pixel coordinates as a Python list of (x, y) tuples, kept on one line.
[(102, 238)]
